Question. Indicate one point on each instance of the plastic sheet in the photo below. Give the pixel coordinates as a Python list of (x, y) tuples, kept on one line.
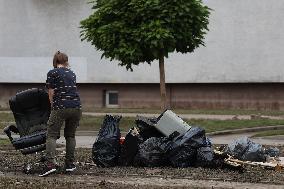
[(272, 152), (245, 149), (106, 149)]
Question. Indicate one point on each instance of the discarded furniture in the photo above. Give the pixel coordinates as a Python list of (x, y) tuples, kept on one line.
[(31, 110)]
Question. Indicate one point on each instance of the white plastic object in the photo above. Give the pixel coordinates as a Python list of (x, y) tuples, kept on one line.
[(169, 122)]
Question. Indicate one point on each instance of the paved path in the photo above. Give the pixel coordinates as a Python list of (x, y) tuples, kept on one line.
[(186, 116), (226, 139), (88, 141)]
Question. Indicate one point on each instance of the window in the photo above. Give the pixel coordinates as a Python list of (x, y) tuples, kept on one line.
[(111, 99)]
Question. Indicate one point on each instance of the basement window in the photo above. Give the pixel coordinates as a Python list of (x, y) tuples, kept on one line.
[(111, 99)]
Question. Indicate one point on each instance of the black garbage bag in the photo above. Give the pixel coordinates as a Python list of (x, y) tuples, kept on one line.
[(195, 138), (272, 152), (255, 152), (245, 149), (153, 152), (146, 127), (208, 142), (205, 156), (106, 149), (130, 147), (182, 156), (183, 152)]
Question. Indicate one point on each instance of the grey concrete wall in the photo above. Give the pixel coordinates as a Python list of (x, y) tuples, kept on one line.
[(245, 44)]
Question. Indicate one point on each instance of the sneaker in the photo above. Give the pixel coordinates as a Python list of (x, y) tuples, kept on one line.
[(50, 168), (70, 167)]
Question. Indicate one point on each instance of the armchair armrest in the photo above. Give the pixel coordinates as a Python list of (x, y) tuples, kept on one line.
[(9, 129)]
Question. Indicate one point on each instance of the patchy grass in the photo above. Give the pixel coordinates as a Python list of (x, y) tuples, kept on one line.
[(190, 111), (220, 125), (184, 111), (4, 141), (6, 119), (269, 133), (94, 123)]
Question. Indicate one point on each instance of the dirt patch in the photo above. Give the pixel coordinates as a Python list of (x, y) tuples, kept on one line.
[(89, 176)]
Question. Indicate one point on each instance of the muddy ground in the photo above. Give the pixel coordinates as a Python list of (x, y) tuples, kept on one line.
[(89, 176)]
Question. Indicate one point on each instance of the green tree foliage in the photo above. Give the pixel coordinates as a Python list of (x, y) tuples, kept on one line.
[(137, 31)]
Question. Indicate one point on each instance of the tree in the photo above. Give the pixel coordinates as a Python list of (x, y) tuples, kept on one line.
[(138, 31)]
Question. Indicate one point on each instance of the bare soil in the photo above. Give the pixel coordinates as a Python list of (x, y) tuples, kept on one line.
[(88, 175)]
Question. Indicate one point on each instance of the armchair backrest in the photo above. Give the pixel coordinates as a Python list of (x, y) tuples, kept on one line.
[(31, 109)]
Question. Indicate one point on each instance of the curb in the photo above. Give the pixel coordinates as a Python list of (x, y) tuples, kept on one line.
[(93, 133), (246, 130), (217, 133)]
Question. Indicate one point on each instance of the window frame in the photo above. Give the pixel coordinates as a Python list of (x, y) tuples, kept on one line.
[(107, 93)]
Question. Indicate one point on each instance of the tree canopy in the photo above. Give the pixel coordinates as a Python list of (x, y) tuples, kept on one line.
[(137, 31)]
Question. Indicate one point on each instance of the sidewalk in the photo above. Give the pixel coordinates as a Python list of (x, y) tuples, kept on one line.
[(185, 116), (86, 139)]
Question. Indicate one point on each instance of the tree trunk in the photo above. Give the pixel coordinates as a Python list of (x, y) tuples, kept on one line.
[(162, 83)]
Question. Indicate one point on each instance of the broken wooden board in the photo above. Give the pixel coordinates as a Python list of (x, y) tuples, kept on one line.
[(273, 163)]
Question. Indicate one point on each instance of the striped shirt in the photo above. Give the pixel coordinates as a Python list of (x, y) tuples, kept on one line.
[(63, 81)]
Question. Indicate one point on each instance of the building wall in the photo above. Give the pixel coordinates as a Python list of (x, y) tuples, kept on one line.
[(245, 44), (265, 96)]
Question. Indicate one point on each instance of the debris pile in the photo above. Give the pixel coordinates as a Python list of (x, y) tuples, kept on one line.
[(169, 141), (245, 149)]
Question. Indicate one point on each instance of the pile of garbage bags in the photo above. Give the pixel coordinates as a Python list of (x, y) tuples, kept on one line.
[(145, 146)]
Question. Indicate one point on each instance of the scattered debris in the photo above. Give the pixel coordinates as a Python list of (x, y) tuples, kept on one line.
[(130, 147), (246, 150), (276, 165), (169, 141), (272, 152), (259, 116), (235, 117), (146, 127), (168, 122)]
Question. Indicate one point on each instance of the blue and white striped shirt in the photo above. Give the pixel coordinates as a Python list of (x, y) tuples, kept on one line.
[(63, 81)]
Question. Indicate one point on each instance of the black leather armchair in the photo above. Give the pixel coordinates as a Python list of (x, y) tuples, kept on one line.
[(31, 109)]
